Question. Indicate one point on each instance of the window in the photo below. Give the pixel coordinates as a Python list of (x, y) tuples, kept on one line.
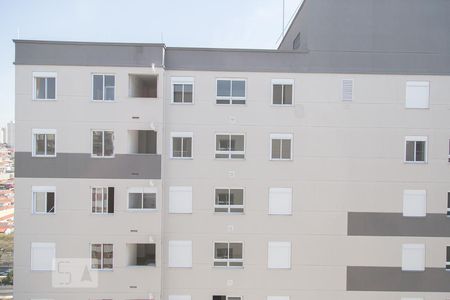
[(280, 201), (43, 256), (182, 144), (141, 198), (282, 91), (347, 90), (417, 94), (231, 91), (102, 200), (103, 87), (44, 199), (414, 203), (281, 146), (223, 297), (180, 254), (44, 142), (448, 204), (409, 298), (102, 256), (142, 141), (413, 257), (182, 90), (180, 199), (102, 143), (229, 200), (228, 254), (447, 264), (141, 254), (416, 149), (230, 146), (279, 255), (143, 86), (44, 86)]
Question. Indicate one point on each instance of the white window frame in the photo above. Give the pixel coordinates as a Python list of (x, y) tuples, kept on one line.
[(183, 81), (229, 153), (417, 83), (416, 139), (48, 245), (104, 87), (107, 195), (229, 206), (103, 143), (282, 136), (283, 82), (101, 259), (34, 132), (44, 75), (412, 247), (231, 98), (42, 189), (142, 190), (182, 135), (229, 260)]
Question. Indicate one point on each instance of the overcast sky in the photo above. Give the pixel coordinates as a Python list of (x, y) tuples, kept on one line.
[(190, 23)]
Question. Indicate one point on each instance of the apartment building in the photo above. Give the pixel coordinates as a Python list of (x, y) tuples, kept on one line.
[(318, 170)]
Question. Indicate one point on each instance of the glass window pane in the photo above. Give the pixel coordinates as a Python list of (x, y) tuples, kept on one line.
[(178, 93), (39, 202), (176, 146), (287, 95), (105, 200), (110, 80), (223, 101), (40, 144), (96, 256), (237, 143), (276, 148), (277, 93), (97, 143), (236, 197), (222, 142), (409, 151), (51, 88), (50, 144), (236, 264), (109, 143), (222, 197), (135, 200), (221, 250), (236, 250), (94, 200), (97, 92), (109, 93), (187, 147), (238, 88), (188, 93), (420, 151), (107, 256), (98, 200), (149, 200), (50, 202), (40, 88), (286, 149), (223, 88)]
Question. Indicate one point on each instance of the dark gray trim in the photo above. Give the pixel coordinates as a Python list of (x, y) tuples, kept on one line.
[(395, 224), (88, 54), (394, 279), (82, 165)]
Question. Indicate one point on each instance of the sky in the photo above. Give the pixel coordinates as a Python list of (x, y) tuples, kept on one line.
[(177, 23)]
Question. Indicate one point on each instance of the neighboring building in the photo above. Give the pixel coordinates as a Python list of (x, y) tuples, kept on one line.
[(2, 135), (10, 134), (319, 170)]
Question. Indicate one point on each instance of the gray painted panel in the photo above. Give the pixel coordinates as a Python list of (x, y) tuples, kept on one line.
[(82, 165), (88, 54), (394, 224), (394, 279)]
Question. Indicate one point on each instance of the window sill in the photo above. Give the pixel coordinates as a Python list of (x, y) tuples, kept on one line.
[(44, 156), (102, 214), (182, 103), (228, 268), (44, 100), (282, 105), (104, 101), (141, 267), (182, 158), (281, 159), (107, 157), (101, 270), (415, 162), (42, 214), (143, 210)]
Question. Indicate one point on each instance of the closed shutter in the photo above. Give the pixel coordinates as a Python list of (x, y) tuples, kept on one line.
[(413, 257), (42, 256), (180, 254), (414, 203), (280, 201), (279, 255), (180, 199), (110, 200)]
